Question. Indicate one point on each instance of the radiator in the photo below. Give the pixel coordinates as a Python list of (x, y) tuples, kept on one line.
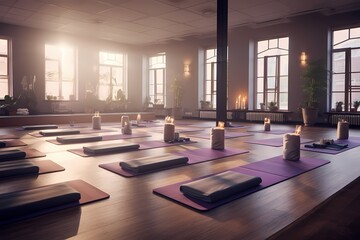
[(259, 116), (351, 119), (212, 114)]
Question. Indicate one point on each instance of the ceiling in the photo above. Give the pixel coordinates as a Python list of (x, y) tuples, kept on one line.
[(145, 22)]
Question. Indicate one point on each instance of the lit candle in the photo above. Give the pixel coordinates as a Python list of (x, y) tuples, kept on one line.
[(96, 121), (342, 129), (169, 129), (236, 104), (267, 124), (217, 137), (239, 102), (243, 104), (126, 130), (138, 119), (124, 119), (291, 145)]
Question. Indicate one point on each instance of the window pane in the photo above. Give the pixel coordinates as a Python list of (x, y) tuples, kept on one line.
[(262, 46), (159, 89), (104, 77), (340, 36), (4, 90), (151, 89), (104, 92), (260, 85), (67, 90), (284, 43), (271, 66), (260, 67), (355, 32), (4, 46), (271, 82), (284, 63), (4, 66), (273, 43), (339, 62), (52, 70), (52, 88), (338, 83), (337, 97), (208, 87), (355, 79), (283, 101), (283, 84), (355, 60)]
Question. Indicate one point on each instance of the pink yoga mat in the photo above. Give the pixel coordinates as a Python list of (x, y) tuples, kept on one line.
[(88, 193), (143, 146), (274, 142), (269, 177), (195, 156)]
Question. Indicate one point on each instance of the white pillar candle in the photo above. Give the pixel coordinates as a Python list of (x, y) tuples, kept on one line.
[(291, 147), (96, 121), (267, 124), (124, 119), (126, 130), (217, 137), (138, 119), (342, 130), (169, 132)]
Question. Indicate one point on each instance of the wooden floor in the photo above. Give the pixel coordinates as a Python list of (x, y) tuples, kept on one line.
[(134, 212)]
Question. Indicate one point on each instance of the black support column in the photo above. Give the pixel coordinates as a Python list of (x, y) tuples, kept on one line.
[(221, 77)]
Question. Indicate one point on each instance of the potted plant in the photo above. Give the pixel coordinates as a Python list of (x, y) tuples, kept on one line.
[(273, 106), (315, 81), (339, 106), (205, 105), (262, 106), (9, 106), (356, 105)]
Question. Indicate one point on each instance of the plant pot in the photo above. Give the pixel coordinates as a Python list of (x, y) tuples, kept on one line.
[(310, 116)]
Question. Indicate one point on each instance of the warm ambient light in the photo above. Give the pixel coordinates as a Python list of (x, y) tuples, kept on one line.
[(303, 58), (186, 68)]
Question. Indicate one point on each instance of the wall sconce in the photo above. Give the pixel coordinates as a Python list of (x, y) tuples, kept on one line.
[(303, 58), (187, 68)]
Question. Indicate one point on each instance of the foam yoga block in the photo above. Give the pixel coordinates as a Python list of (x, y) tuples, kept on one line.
[(39, 127), (59, 132), (110, 148), (17, 204), (79, 139), (219, 186), (12, 154), (8, 169), (151, 163)]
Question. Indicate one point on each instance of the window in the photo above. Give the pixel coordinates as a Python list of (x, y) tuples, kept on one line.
[(112, 75), (210, 76), (60, 73), (5, 68), (345, 86), (272, 72), (157, 78)]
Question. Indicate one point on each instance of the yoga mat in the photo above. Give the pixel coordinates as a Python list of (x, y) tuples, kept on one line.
[(275, 131), (45, 166), (274, 142), (352, 143), (82, 131), (227, 135), (179, 129), (109, 137), (8, 136), (172, 191), (195, 156), (13, 143), (88, 193), (30, 153), (143, 146)]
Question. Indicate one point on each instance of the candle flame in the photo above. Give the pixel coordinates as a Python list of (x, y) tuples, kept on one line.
[(97, 114), (169, 119), (298, 129), (267, 120), (221, 124)]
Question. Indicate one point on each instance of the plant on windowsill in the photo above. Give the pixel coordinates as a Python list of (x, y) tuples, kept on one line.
[(273, 106), (27, 98), (262, 106), (339, 106), (205, 105), (9, 106), (356, 105), (315, 80)]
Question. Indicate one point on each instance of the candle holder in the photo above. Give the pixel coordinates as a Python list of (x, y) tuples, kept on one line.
[(217, 137), (126, 130), (96, 121), (342, 129), (267, 124), (169, 130), (291, 145), (124, 119), (138, 119)]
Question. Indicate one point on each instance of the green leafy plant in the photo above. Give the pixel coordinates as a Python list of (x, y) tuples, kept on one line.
[(273, 106)]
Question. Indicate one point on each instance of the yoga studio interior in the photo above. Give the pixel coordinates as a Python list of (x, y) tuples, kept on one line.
[(179, 119)]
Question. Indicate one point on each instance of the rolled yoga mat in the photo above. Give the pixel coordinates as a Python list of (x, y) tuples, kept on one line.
[(12, 155), (152, 163), (111, 148), (78, 139), (59, 132), (20, 205), (8, 169), (39, 127), (219, 186), (351, 143), (11, 143), (274, 142)]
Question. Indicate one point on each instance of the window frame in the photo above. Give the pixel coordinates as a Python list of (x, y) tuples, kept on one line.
[(9, 75), (152, 70)]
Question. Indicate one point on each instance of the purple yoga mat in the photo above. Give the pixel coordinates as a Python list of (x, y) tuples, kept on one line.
[(109, 137), (179, 129), (195, 156), (352, 143), (269, 178), (274, 142), (227, 135), (275, 131), (8, 136), (143, 146)]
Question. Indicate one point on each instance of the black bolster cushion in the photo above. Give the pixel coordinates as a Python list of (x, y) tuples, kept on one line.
[(2, 144), (79, 139), (17, 204), (150, 163), (111, 148), (11, 155), (59, 132), (8, 169), (38, 127), (219, 186)]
